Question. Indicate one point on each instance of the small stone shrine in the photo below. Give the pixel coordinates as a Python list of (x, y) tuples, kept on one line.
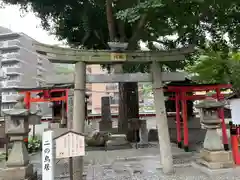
[(18, 166), (213, 156)]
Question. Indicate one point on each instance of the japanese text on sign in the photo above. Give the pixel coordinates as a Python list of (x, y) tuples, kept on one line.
[(47, 156), (118, 57), (70, 145)]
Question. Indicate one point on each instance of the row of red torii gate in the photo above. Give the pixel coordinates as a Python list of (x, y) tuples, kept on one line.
[(180, 93)]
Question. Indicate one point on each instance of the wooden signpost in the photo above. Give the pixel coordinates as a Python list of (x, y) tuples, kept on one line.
[(68, 145)]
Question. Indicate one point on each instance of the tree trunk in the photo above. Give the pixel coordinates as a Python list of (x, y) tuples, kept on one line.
[(110, 20), (128, 92), (128, 104)]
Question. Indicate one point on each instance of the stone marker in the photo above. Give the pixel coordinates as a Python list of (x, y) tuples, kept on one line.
[(213, 156), (106, 123), (143, 133)]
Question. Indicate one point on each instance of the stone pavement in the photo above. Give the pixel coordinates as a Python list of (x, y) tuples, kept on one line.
[(134, 164)]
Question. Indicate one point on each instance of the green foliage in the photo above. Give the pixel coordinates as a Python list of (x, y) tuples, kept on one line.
[(84, 25), (217, 67), (147, 90), (34, 144)]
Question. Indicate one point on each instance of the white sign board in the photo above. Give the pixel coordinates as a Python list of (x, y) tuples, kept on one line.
[(47, 156), (70, 145), (235, 106)]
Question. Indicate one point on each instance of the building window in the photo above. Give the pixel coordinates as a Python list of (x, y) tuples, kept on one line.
[(9, 51), (112, 87), (114, 110), (7, 106), (6, 93), (13, 78), (13, 65), (114, 99)]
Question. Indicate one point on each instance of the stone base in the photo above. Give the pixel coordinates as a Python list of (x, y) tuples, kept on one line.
[(19, 173), (210, 172), (214, 160), (105, 126), (117, 141)]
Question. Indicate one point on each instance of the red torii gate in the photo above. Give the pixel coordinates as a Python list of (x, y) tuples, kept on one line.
[(46, 95), (181, 95)]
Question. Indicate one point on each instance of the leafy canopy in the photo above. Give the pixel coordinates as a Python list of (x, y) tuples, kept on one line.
[(83, 23), (217, 67)]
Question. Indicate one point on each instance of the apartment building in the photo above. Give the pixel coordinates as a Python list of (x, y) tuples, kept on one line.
[(98, 90), (23, 67)]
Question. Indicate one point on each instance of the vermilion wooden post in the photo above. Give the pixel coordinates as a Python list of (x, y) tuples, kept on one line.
[(224, 128), (185, 121), (66, 100), (234, 143), (27, 99), (178, 121)]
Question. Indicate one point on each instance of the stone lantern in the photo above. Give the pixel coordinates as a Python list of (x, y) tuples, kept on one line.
[(17, 127), (213, 155)]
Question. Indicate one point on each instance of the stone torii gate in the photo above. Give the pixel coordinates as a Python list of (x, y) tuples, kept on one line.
[(83, 57)]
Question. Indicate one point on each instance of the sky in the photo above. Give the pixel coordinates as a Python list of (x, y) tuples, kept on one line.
[(28, 24), (10, 17)]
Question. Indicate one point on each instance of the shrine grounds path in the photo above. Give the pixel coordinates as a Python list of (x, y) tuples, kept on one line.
[(133, 164)]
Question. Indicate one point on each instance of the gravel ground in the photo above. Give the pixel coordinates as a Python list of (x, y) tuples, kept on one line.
[(134, 164)]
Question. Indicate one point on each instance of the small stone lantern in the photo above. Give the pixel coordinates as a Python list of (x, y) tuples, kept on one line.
[(213, 155), (17, 127)]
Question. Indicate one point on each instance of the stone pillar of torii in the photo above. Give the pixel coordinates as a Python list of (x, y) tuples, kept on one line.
[(81, 58)]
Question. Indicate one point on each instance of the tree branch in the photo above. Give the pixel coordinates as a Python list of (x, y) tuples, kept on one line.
[(110, 20), (137, 31)]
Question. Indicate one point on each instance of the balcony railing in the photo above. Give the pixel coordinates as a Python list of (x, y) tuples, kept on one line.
[(10, 83), (8, 60), (13, 70), (11, 56), (9, 43), (9, 98)]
